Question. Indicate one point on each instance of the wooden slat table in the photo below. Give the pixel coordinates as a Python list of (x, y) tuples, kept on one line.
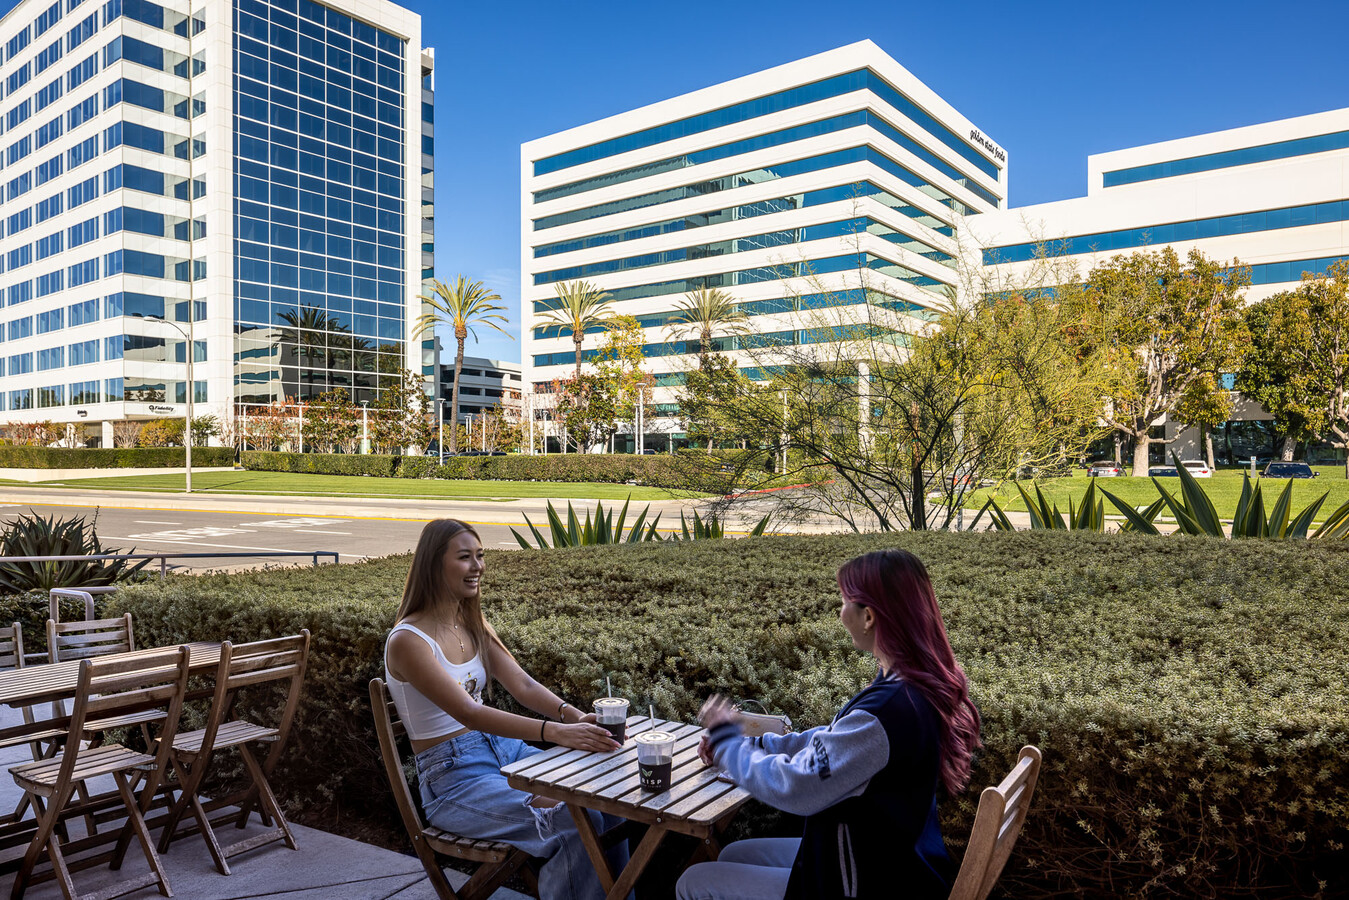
[(698, 803), (50, 682)]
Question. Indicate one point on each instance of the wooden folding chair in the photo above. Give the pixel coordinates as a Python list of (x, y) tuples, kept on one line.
[(44, 743), (109, 688), (1002, 811), (246, 665), (498, 861)]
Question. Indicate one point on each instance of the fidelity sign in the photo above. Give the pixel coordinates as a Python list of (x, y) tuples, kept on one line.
[(988, 145)]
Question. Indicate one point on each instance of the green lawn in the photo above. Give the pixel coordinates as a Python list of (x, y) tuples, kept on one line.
[(361, 486), (1224, 488)]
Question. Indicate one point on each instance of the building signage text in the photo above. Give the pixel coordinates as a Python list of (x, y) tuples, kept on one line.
[(978, 138)]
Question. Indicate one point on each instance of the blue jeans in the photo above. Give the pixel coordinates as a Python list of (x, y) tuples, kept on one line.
[(757, 869), (463, 791)]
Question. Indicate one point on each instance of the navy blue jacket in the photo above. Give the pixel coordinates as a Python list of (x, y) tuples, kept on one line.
[(867, 785)]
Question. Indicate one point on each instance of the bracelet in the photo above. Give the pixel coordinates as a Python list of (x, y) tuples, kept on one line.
[(542, 725), (561, 706)]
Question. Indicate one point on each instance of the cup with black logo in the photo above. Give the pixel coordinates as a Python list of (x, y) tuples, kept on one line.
[(611, 714), (655, 754)]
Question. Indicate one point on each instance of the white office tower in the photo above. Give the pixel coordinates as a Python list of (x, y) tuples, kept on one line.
[(781, 188), (249, 177), (1273, 196)]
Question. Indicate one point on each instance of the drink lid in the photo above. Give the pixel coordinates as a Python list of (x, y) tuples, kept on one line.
[(654, 737), (611, 701)]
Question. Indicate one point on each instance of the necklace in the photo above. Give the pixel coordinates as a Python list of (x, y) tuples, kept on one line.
[(457, 637)]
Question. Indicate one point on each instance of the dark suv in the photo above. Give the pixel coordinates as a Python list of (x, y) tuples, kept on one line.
[(1288, 470)]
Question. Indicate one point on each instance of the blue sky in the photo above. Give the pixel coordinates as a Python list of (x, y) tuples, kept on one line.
[(1051, 82)]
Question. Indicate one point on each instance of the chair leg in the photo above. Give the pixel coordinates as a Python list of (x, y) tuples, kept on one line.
[(265, 796), (47, 816), (187, 784), (136, 823)]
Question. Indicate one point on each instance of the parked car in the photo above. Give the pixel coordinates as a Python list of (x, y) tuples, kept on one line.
[(1163, 472), (1105, 470), (1197, 467), (1288, 470)]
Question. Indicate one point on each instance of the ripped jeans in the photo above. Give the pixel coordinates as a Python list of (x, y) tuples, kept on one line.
[(463, 791)]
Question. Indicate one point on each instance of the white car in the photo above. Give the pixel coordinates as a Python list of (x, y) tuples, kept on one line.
[(1197, 467), (1105, 470)]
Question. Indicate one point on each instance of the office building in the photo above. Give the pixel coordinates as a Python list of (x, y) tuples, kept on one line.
[(254, 176), (780, 187), (485, 386), (1273, 196)]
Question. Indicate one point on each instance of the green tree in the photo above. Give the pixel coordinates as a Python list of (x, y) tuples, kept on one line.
[(400, 418), (460, 307), (1158, 325), (707, 398), (1310, 344), (705, 313), (1272, 373), (591, 404), (1205, 405), (582, 306), (332, 423)]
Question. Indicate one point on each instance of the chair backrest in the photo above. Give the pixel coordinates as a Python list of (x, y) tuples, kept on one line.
[(84, 640), (390, 729), (108, 688), (259, 662), (1002, 811), (11, 646)]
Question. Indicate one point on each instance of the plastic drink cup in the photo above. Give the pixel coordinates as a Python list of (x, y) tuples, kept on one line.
[(611, 714), (655, 754)]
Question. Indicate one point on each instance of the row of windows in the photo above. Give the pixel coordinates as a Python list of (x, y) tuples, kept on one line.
[(321, 46), (792, 337), (1228, 158), (152, 98), (769, 240), (836, 86), (344, 172), (338, 86), (314, 14), (767, 173), (854, 191), (363, 133), (772, 306), (115, 390), (1190, 230), (830, 125), (760, 274)]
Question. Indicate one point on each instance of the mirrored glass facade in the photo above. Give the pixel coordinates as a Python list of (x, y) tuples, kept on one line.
[(319, 189)]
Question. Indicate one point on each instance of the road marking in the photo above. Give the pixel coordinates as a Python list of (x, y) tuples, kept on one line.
[(317, 531), (188, 533), (292, 523), (153, 522), (225, 546)]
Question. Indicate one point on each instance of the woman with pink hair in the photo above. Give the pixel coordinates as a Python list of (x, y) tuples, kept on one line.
[(867, 783)]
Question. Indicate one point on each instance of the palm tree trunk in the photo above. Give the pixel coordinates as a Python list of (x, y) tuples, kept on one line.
[(454, 395), (577, 335)]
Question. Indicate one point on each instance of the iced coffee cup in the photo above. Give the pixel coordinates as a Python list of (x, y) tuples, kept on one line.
[(655, 753), (611, 714)]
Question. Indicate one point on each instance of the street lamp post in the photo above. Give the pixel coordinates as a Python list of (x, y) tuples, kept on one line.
[(365, 427), (440, 430)]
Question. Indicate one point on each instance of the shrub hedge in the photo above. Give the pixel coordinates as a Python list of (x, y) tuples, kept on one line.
[(689, 469), (1189, 694), (111, 458)]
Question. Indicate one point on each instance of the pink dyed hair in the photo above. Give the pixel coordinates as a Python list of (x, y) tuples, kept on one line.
[(911, 640)]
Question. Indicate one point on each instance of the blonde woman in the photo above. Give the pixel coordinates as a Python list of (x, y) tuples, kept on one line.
[(440, 658)]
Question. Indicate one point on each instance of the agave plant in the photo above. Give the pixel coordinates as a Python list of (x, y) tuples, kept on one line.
[(38, 536), (1086, 515), (709, 528), (602, 530)]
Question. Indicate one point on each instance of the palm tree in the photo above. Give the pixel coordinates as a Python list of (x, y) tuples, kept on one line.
[(461, 307), (704, 312), (583, 306)]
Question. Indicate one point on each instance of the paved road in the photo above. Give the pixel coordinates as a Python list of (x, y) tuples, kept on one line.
[(170, 527)]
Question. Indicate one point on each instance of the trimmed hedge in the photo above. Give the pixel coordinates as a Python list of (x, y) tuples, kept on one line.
[(1189, 694), (690, 469), (112, 458)]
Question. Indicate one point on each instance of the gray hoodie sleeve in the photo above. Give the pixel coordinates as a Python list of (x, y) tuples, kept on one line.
[(824, 766), (787, 743)]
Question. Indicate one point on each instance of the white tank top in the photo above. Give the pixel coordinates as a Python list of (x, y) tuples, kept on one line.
[(425, 720)]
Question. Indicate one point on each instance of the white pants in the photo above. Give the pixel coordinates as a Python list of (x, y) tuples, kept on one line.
[(756, 869)]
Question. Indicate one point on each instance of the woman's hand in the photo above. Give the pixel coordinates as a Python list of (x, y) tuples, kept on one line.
[(705, 751), (717, 711), (588, 717), (581, 736)]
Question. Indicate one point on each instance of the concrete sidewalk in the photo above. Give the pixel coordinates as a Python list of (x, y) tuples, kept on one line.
[(325, 867)]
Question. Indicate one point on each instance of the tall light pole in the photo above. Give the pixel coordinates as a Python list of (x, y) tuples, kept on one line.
[(365, 427), (440, 430)]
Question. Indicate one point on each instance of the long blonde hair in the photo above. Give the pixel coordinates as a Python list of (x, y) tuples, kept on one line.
[(425, 587)]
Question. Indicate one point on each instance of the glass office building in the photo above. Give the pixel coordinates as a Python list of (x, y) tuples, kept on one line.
[(248, 177), (815, 184)]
